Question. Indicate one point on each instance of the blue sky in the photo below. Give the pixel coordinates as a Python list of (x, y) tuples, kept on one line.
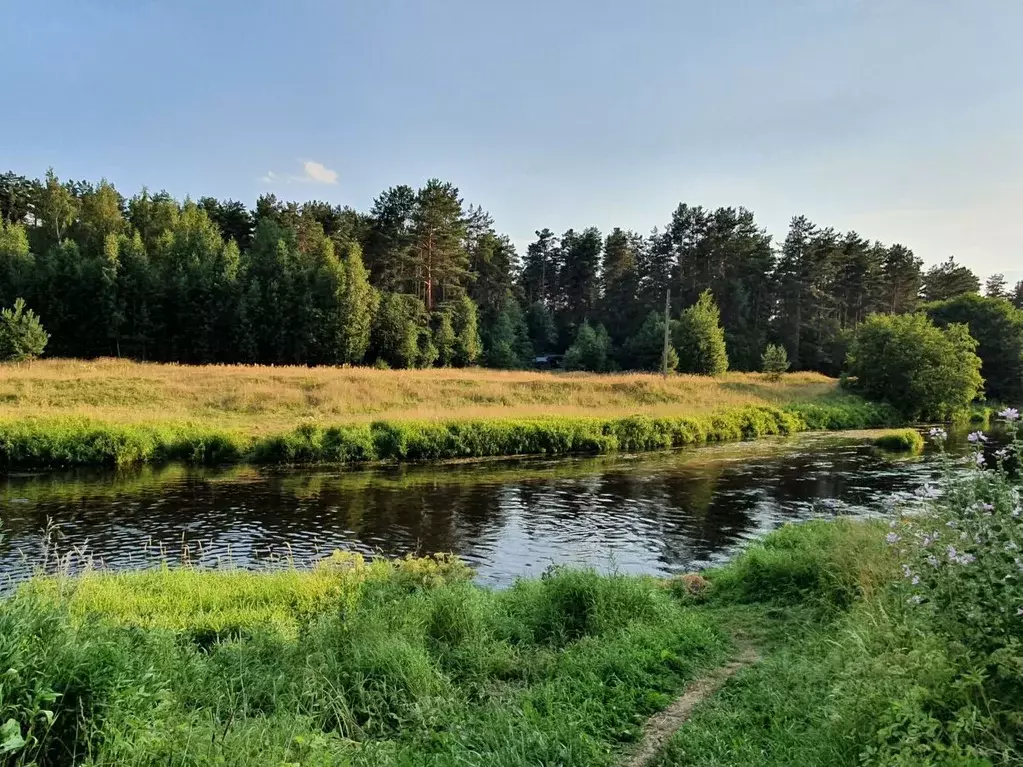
[(897, 118)]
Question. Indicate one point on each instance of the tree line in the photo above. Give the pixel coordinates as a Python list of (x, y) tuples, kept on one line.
[(423, 279)]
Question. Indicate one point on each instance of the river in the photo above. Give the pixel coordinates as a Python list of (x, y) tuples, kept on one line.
[(663, 513)]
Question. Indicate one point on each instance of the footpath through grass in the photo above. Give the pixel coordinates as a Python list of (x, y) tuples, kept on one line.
[(66, 413)]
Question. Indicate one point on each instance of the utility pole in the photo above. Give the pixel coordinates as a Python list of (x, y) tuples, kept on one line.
[(667, 330)]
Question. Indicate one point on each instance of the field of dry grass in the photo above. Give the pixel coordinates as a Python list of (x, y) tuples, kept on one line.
[(260, 400)]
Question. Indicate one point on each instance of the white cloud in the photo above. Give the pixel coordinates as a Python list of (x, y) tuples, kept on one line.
[(313, 173), (318, 173)]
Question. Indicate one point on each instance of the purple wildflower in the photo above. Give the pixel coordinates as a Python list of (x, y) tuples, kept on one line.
[(932, 560), (966, 559), (892, 538), (979, 459), (1009, 414), (977, 436)]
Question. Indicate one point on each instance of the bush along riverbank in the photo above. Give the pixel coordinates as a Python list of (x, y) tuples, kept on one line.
[(894, 643), (27, 442)]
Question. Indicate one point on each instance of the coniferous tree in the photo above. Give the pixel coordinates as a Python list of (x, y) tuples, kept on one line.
[(620, 308), (591, 350), (543, 332), (995, 287), (444, 338), (700, 340), (579, 276), (948, 280), (645, 349), (541, 269), (1017, 295), (22, 336), (901, 280)]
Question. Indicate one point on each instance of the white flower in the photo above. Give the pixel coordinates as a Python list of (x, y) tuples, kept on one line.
[(966, 559), (977, 436), (1009, 414), (917, 599), (979, 459), (938, 434), (916, 580), (892, 538), (932, 560)]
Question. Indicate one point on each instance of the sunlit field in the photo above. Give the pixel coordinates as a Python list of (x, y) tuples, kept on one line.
[(260, 400)]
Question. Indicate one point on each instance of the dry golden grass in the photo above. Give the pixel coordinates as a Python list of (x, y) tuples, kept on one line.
[(260, 399)]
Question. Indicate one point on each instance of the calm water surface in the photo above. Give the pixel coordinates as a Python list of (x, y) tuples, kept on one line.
[(661, 513)]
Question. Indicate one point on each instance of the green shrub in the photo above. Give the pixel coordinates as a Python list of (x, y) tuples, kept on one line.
[(923, 371)]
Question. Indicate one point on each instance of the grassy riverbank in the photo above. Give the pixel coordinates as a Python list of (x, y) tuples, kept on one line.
[(407, 663), (117, 413)]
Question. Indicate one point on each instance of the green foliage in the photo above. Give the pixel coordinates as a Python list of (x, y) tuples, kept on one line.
[(357, 305), (645, 350), (923, 371), (591, 350), (900, 441), (998, 328), (22, 336), (80, 442), (465, 320), (700, 340), (444, 338), (398, 325), (507, 341), (774, 361)]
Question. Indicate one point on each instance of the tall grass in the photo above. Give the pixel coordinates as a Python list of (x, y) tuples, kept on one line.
[(260, 400), (75, 441), (384, 664)]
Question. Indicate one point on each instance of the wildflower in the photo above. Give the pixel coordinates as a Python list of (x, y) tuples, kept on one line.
[(915, 580), (932, 560), (951, 553), (938, 434), (950, 523), (1012, 546), (979, 459), (906, 571), (928, 491), (1001, 454), (1009, 414), (977, 436), (966, 559), (917, 599), (892, 538)]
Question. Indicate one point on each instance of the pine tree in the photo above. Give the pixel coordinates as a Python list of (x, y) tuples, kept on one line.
[(543, 333), (774, 361), (901, 280), (1017, 295), (541, 269), (620, 308), (948, 280), (995, 287), (22, 336), (700, 339), (579, 277), (645, 349), (590, 351), (440, 262)]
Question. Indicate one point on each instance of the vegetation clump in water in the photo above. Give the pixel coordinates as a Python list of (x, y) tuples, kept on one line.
[(900, 441)]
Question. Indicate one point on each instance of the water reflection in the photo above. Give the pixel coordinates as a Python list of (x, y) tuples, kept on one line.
[(662, 514)]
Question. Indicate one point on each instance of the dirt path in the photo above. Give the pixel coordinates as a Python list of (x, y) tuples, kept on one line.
[(662, 726)]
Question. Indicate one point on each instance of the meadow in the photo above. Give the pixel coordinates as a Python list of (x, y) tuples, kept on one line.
[(63, 412)]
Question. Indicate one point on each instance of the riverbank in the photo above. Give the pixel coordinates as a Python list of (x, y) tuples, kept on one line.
[(65, 413), (408, 663)]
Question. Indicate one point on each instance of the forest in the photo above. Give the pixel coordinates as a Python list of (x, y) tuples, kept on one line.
[(425, 279)]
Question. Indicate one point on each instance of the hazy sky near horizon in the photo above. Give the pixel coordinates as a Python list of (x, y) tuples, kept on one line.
[(898, 118)]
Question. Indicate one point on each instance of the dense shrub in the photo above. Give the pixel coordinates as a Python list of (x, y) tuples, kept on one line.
[(590, 351), (998, 328), (923, 371)]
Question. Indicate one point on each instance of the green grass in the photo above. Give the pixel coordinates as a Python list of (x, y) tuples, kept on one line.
[(409, 663), (901, 441), (27, 442)]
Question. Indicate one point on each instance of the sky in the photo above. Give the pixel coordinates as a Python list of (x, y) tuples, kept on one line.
[(897, 118)]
